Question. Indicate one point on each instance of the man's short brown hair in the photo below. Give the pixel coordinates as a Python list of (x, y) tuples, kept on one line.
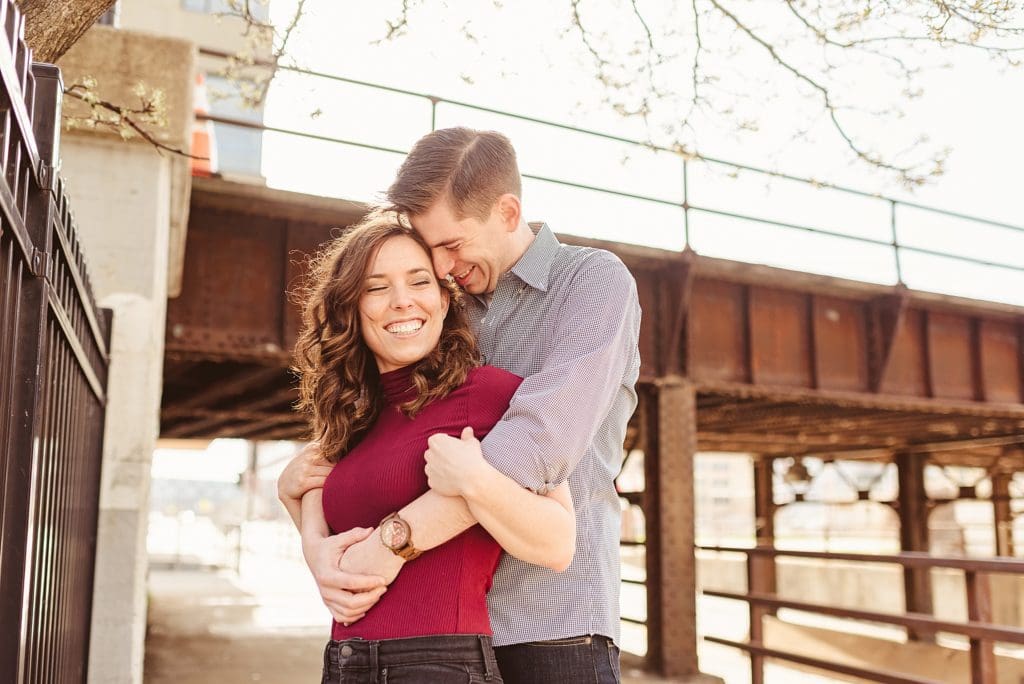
[(469, 169)]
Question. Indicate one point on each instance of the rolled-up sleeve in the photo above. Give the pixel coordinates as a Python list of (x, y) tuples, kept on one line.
[(556, 412)]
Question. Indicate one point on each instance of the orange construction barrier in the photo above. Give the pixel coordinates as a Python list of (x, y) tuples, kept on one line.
[(203, 143)]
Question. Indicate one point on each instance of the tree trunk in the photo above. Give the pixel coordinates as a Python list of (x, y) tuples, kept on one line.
[(53, 27)]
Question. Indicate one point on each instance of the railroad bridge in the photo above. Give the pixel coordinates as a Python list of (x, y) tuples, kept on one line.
[(736, 358)]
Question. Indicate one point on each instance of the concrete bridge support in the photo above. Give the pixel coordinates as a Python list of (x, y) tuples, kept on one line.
[(131, 203)]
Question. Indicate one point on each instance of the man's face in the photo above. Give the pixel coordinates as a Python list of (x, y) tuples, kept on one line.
[(474, 252)]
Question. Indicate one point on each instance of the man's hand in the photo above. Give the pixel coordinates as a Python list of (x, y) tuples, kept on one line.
[(347, 595), (453, 464), (307, 470)]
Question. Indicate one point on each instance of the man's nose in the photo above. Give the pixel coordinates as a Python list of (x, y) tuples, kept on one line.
[(443, 263)]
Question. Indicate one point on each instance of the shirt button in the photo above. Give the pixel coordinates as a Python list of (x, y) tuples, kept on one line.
[(346, 651)]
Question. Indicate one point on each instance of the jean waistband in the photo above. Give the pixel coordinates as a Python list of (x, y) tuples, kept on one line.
[(470, 648)]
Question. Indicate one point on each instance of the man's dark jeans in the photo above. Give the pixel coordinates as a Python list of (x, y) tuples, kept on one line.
[(455, 658), (579, 660)]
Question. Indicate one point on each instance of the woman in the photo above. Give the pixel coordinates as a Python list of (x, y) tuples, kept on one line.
[(386, 360)]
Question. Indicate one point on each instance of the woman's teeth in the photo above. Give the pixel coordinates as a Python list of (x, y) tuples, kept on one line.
[(405, 327)]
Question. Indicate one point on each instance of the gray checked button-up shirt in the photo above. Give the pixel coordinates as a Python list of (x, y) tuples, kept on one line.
[(567, 320)]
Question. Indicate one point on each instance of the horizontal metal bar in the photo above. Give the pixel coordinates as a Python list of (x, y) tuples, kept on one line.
[(883, 676), (959, 257), (909, 559), (631, 542), (856, 238), (639, 583), (633, 621), (256, 126), (263, 127), (972, 629), (794, 226), (958, 215), (607, 191)]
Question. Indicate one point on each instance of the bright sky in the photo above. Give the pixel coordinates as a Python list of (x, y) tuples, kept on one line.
[(522, 60)]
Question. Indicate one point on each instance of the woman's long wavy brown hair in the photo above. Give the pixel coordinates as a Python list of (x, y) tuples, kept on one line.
[(339, 384)]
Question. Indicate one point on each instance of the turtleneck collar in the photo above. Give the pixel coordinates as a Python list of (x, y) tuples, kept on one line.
[(397, 385)]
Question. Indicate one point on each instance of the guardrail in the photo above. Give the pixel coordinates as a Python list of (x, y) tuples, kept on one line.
[(979, 629), (685, 203)]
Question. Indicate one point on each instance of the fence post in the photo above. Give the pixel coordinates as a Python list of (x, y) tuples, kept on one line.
[(895, 242), (49, 92), (756, 577), (979, 609), (686, 205)]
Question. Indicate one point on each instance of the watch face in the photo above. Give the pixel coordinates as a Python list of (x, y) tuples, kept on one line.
[(394, 534)]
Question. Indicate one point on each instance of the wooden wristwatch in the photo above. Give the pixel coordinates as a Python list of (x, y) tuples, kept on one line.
[(396, 535)]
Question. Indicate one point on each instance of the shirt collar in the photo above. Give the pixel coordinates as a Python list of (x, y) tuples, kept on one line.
[(534, 267)]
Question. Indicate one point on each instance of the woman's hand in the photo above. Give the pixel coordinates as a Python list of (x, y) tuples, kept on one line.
[(347, 595), (453, 465)]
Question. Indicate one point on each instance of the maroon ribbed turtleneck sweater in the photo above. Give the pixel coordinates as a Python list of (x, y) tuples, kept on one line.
[(443, 591)]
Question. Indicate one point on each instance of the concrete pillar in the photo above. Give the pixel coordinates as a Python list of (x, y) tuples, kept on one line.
[(130, 203), (913, 511)]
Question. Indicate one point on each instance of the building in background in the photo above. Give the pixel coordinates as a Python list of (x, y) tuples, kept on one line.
[(237, 151)]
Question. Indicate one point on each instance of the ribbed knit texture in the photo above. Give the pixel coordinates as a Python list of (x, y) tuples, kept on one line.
[(443, 591)]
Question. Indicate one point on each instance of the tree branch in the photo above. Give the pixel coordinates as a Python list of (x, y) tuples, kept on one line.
[(126, 122)]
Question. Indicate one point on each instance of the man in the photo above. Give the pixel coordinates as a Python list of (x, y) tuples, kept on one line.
[(567, 320)]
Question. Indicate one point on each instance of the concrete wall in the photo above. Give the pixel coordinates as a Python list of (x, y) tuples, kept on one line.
[(128, 201)]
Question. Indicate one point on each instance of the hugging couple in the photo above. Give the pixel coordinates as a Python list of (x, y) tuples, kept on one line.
[(468, 380)]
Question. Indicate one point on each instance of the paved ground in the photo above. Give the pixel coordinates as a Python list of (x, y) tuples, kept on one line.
[(213, 628)]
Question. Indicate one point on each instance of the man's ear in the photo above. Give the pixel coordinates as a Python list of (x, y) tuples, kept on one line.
[(510, 208)]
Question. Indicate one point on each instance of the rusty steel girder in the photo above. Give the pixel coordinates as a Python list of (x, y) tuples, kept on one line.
[(782, 362)]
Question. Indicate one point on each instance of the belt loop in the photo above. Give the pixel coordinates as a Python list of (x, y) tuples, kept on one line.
[(375, 660), (486, 654)]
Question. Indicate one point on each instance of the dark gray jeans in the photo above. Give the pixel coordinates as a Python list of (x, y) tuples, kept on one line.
[(462, 658), (578, 660)]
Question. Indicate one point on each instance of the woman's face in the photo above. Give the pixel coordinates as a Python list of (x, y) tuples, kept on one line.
[(402, 307)]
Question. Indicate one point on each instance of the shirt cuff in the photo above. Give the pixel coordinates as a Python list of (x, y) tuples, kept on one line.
[(521, 460)]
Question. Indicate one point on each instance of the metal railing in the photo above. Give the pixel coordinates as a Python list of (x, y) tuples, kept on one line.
[(978, 628), (686, 158), (53, 374)]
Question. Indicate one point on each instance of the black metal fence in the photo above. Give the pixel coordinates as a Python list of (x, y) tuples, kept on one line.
[(53, 377)]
